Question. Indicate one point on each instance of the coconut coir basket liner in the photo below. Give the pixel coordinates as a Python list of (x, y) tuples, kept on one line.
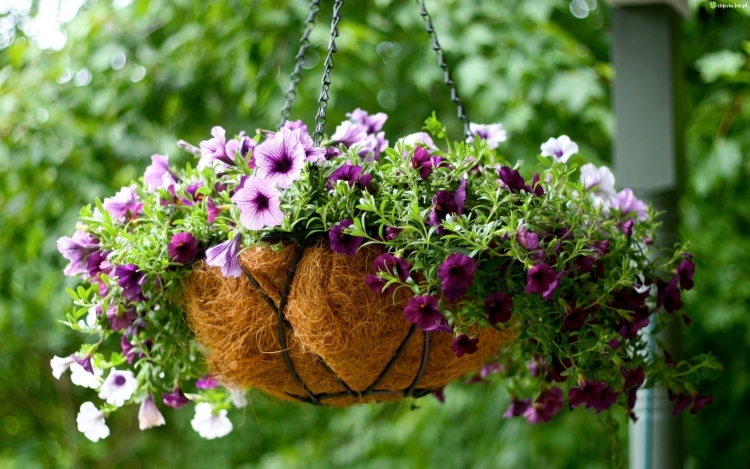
[(345, 344)]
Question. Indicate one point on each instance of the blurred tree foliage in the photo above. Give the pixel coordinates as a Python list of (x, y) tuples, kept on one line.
[(134, 77)]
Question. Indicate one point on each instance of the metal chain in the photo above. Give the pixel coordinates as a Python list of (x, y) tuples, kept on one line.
[(441, 61), (320, 118), (304, 42)]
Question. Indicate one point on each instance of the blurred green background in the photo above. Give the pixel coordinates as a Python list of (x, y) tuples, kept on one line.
[(89, 90)]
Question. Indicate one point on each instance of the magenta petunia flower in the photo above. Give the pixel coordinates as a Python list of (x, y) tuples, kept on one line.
[(97, 263), (575, 319), (226, 255), (423, 311), (627, 227), (517, 408), (127, 349), (212, 210), (527, 239), (421, 161), (207, 382), (596, 395), (175, 399), (125, 204), (312, 153), (373, 123), (349, 133), (633, 378), (545, 407), (76, 249), (392, 232), (341, 242), (392, 265), (365, 183), (443, 204), (158, 175), (120, 320), (183, 247), (535, 187), (512, 179), (493, 134), (259, 203), (215, 149), (559, 149), (378, 284), (498, 307), (279, 160), (683, 401), (457, 275), (463, 344), (543, 280), (130, 279), (349, 173), (699, 402), (669, 295)]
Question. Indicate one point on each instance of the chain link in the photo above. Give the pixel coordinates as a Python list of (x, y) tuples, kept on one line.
[(441, 61), (320, 118), (304, 42)]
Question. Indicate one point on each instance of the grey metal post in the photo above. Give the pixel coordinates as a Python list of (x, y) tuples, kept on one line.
[(649, 158)]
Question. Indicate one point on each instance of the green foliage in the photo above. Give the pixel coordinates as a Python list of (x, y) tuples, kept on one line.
[(204, 63)]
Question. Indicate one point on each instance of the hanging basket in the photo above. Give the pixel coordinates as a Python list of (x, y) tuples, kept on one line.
[(344, 344)]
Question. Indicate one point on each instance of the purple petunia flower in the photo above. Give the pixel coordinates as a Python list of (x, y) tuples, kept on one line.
[(212, 210), (423, 311), (543, 280), (627, 202), (76, 249), (226, 255), (127, 349), (378, 284), (604, 180), (575, 319), (259, 203), (463, 344), (392, 233), (97, 263), (498, 307), (279, 160), (390, 264), (215, 149), (341, 242), (443, 204), (125, 204), (175, 399), (627, 227), (493, 134), (130, 279), (535, 187), (633, 378), (365, 183), (545, 407), (517, 408), (120, 321), (685, 273), (699, 402), (527, 239), (422, 162), (158, 175), (560, 148), (207, 382), (669, 295), (683, 402), (183, 247), (312, 153), (348, 172), (372, 123), (371, 147), (512, 179), (596, 395), (457, 275), (85, 363), (348, 133)]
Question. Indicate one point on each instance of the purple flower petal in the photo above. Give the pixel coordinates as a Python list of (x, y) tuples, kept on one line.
[(76, 249), (280, 160), (423, 311), (226, 256), (341, 242), (158, 175), (543, 280), (463, 344), (259, 203), (498, 307), (124, 205)]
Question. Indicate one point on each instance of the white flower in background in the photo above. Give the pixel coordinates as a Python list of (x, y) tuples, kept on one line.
[(149, 415), (560, 148), (419, 138), (60, 365), (118, 387), (91, 422), (239, 398), (90, 324), (605, 193), (80, 377), (208, 424), (492, 133)]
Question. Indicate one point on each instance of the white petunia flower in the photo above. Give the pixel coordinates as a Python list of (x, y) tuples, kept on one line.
[(149, 415), (60, 365), (80, 377), (419, 138), (239, 399), (605, 193), (118, 387), (560, 148), (208, 424), (90, 324), (494, 134), (91, 422)]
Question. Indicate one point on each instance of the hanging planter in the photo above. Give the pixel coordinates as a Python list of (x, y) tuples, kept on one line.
[(340, 270)]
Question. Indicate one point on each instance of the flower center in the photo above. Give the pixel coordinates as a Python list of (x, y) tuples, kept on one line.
[(283, 164), (119, 380), (261, 202)]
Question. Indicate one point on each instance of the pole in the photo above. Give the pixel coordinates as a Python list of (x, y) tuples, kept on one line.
[(648, 157)]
